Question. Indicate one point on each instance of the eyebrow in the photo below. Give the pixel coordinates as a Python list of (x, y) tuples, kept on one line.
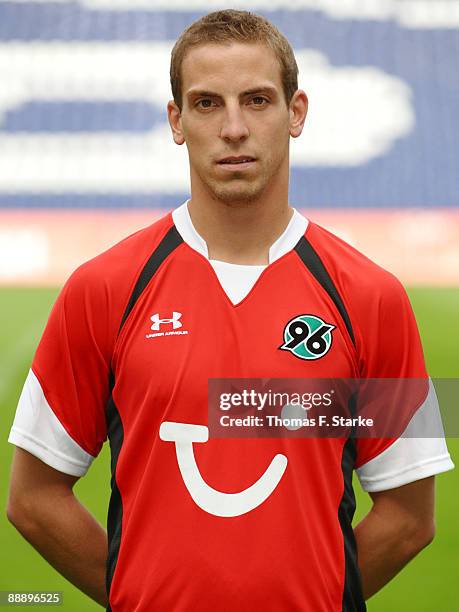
[(261, 89)]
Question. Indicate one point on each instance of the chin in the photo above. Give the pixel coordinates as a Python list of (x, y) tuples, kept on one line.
[(237, 196)]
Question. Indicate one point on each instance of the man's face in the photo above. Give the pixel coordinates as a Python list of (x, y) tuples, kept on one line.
[(233, 106)]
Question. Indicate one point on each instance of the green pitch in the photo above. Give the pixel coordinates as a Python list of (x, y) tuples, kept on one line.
[(429, 583)]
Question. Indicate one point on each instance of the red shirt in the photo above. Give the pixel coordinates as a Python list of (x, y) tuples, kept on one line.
[(295, 549)]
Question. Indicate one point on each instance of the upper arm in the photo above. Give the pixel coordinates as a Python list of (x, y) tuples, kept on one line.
[(412, 505), (32, 479), (390, 353), (60, 418), (72, 361), (420, 452), (408, 443)]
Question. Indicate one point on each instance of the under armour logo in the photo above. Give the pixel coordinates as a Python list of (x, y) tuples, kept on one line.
[(176, 316)]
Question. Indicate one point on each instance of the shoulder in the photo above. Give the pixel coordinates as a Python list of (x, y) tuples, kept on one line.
[(120, 263), (387, 338), (114, 272), (97, 292), (355, 275)]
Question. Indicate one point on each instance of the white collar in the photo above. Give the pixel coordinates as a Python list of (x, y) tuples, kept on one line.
[(285, 243)]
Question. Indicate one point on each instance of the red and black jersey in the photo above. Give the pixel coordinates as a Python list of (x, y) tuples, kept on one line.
[(130, 346)]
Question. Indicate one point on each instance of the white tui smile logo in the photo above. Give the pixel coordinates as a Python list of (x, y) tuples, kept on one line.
[(208, 499)]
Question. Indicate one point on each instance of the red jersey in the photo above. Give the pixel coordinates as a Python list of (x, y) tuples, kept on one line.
[(131, 343)]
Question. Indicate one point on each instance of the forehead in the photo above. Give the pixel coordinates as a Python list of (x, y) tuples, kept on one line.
[(230, 67)]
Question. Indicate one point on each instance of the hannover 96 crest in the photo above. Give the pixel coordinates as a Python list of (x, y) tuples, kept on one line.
[(307, 337)]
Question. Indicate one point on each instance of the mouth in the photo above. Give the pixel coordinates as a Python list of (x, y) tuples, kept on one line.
[(237, 163)]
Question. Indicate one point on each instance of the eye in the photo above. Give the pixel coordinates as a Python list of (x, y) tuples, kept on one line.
[(259, 101), (204, 103)]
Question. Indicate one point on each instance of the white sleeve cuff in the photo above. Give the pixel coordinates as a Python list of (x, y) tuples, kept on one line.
[(402, 476), (37, 430), (416, 454)]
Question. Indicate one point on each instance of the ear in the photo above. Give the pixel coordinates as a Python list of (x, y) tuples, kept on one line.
[(298, 109), (175, 121)]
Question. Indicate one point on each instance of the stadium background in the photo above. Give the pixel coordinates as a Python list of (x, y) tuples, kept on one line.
[(86, 158)]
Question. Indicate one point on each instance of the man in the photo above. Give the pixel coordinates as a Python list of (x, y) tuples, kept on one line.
[(209, 292)]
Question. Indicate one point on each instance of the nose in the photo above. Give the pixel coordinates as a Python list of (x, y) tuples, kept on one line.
[(234, 127)]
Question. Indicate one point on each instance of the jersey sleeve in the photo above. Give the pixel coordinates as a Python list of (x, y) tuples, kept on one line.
[(420, 452), (60, 416), (390, 348)]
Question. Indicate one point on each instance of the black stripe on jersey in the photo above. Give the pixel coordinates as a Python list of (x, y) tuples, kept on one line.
[(353, 600), (170, 242), (114, 424), (314, 264), (115, 507)]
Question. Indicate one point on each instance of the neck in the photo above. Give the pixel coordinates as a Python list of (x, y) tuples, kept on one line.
[(239, 233)]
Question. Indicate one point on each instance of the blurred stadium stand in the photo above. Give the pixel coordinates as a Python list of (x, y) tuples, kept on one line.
[(86, 153)]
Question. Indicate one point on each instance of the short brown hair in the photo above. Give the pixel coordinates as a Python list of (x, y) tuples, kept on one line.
[(223, 27)]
